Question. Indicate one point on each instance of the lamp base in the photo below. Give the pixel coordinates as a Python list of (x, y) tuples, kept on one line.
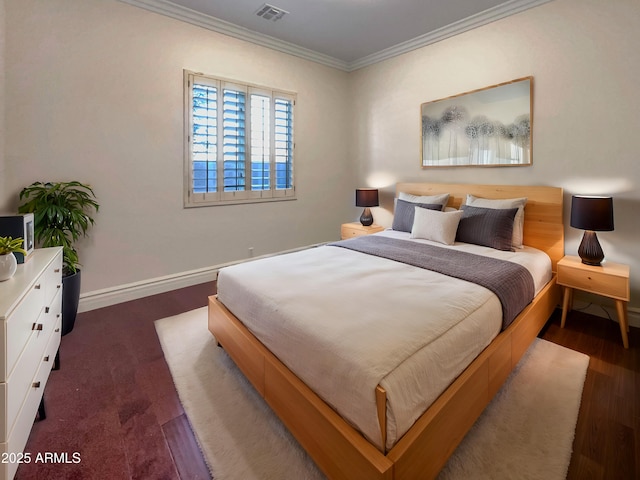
[(366, 218), (590, 250)]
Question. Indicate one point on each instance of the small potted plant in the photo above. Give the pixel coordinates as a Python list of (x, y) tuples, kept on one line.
[(8, 261), (62, 214)]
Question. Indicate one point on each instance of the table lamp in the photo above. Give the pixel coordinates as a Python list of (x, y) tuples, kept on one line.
[(366, 197), (591, 214)]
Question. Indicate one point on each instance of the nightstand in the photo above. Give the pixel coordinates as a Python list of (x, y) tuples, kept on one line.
[(356, 229), (609, 280)]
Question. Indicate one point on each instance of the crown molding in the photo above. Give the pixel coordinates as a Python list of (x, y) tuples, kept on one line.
[(469, 23), (170, 9), (187, 15)]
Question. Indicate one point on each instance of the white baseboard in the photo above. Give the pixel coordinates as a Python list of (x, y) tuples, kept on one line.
[(132, 291)]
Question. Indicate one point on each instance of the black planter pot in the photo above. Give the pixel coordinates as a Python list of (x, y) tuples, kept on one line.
[(70, 300)]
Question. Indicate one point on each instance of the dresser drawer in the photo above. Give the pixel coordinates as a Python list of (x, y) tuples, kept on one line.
[(53, 346), (22, 428), (19, 327), (52, 280), (14, 391), (51, 316), (49, 354)]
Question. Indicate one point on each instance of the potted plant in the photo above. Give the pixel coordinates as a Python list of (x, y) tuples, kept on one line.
[(8, 261), (62, 214)]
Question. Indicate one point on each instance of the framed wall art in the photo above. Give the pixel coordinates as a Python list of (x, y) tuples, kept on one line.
[(488, 127)]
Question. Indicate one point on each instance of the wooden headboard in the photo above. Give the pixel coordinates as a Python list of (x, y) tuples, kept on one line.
[(543, 224)]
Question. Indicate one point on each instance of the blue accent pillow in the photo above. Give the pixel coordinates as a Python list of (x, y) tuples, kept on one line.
[(405, 211), (490, 227)]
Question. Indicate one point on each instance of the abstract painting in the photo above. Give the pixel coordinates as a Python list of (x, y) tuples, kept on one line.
[(486, 127)]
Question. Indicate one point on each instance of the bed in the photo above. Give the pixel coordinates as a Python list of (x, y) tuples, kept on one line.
[(416, 446)]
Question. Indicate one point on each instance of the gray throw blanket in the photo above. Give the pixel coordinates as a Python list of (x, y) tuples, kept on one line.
[(512, 283)]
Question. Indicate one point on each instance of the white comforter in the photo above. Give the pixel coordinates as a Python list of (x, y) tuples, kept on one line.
[(345, 322)]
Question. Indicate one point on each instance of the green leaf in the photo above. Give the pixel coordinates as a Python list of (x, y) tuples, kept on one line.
[(62, 213)]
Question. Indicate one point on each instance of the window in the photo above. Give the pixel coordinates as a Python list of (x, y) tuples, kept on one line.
[(239, 142)]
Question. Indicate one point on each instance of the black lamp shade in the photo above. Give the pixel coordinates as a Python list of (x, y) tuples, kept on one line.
[(592, 213), (367, 197)]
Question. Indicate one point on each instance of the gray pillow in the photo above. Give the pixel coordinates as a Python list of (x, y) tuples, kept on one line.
[(405, 211), (501, 203), (490, 227)]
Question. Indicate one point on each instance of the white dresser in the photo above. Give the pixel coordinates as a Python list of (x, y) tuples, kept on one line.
[(30, 316)]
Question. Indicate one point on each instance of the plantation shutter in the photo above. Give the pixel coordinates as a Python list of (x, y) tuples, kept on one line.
[(239, 142), (260, 142), (204, 137), (283, 154), (233, 140)]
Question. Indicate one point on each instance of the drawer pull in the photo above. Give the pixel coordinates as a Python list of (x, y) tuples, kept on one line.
[(57, 270), (46, 359), (58, 286), (56, 330), (37, 326), (36, 384), (46, 309), (37, 287)]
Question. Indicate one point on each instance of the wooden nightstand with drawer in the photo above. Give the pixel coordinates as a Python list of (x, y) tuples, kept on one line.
[(609, 280), (356, 229)]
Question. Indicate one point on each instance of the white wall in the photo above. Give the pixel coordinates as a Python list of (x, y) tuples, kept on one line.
[(95, 93), (583, 55)]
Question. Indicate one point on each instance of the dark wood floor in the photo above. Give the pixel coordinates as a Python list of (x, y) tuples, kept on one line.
[(607, 441), (113, 399), (114, 402)]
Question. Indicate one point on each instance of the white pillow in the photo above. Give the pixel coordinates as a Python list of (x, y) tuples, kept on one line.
[(518, 221), (436, 226), (442, 199)]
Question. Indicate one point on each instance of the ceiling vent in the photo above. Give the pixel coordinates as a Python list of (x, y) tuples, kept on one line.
[(269, 12)]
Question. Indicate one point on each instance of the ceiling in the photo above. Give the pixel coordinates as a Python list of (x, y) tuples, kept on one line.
[(346, 34)]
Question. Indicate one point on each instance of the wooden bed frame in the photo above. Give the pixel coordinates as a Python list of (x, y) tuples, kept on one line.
[(342, 452)]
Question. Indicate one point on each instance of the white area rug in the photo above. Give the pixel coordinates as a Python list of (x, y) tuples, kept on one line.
[(525, 433)]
